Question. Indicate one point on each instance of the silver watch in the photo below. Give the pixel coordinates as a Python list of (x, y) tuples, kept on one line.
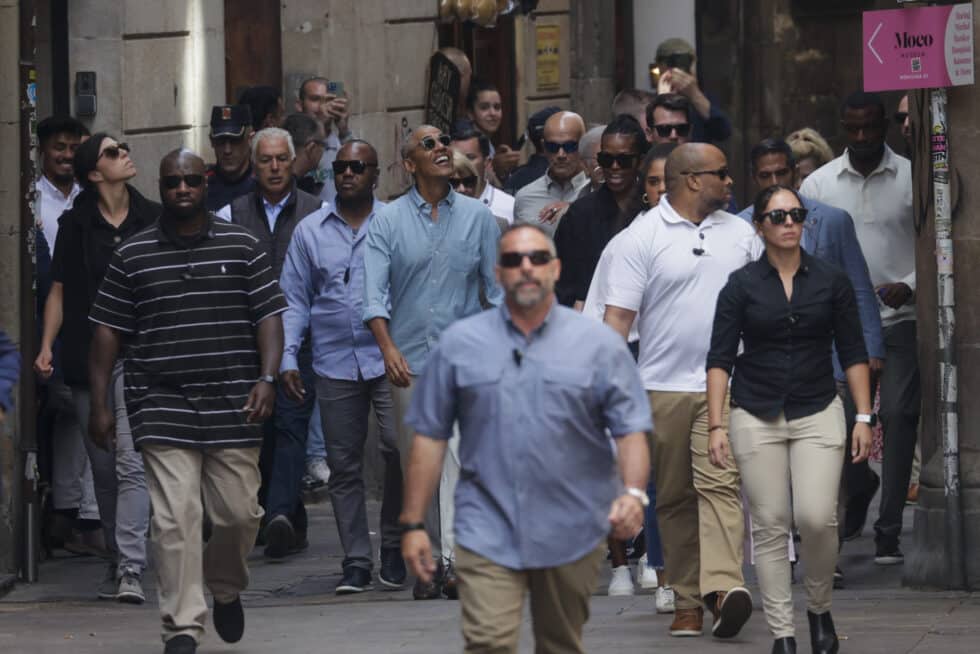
[(640, 495), (268, 379), (867, 418)]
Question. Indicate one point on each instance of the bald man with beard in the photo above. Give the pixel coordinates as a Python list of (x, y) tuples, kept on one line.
[(544, 201), (670, 266), (199, 307)]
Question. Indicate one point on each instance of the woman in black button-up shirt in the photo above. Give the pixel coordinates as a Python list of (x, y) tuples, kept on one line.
[(787, 423)]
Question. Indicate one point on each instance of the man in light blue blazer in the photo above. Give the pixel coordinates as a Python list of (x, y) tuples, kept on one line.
[(829, 234)]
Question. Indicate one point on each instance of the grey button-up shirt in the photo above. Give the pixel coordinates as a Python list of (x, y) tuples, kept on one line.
[(543, 191), (537, 471)]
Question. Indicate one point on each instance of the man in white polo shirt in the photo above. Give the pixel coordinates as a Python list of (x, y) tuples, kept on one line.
[(670, 265), (874, 185)]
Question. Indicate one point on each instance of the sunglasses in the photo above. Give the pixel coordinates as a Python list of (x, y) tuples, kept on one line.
[(515, 259), (113, 151), (171, 182), (468, 182), (778, 216), (429, 142), (570, 147), (606, 160), (340, 166), (664, 131), (901, 117), (721, 173)]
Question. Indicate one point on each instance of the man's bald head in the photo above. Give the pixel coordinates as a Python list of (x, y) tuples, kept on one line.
[(562, 132), (564, 122), (697, 180), (180, 158), (686, 158), (183, 184)]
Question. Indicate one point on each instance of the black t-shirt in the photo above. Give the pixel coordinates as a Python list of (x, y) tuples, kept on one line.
[(583, 233), (221, 191)]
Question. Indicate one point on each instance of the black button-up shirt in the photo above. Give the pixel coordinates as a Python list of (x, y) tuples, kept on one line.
[(582, 235), (786, 362)]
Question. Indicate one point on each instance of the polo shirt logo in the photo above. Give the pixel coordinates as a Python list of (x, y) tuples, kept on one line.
[(223, 271)]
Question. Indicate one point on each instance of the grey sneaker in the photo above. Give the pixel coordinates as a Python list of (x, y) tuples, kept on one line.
[(130, 589), (109, 584), (317, 469)]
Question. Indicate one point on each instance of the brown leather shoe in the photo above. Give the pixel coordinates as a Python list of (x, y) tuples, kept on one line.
[(731, 611), (687, 622), (450, 583), (431, 590)]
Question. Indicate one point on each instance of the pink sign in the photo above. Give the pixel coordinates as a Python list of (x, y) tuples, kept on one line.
[(926, 47)]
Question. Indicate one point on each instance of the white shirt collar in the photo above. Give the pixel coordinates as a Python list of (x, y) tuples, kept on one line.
[(887, 163), (51, 188)]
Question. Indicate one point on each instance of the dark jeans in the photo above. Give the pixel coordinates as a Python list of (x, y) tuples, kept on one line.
[(347, 403), (899, 415), (283, 457)]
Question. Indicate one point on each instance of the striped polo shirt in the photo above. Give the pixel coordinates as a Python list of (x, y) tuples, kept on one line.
[(190, 308)]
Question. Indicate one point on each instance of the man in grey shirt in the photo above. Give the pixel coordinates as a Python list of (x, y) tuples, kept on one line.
[(543, 201), (537, 492)]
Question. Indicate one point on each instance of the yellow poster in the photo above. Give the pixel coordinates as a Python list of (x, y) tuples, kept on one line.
[(548, 42)]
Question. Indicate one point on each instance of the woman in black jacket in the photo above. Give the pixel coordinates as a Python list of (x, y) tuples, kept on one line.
[(107, 212), (787, 423)]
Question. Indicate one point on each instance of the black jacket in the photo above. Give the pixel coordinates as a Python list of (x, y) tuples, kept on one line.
[(82, 253), (248, 212)]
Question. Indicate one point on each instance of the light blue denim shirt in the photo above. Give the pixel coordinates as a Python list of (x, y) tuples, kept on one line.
[(323, 281), (432, 271), (828, 234), (537, 471)]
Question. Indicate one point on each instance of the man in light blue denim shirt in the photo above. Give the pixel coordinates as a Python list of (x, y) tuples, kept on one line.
[(427, 256), (537, 390), (323, 281)]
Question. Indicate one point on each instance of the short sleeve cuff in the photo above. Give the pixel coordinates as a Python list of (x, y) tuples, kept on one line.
[(627, 428), (628, 301), (100, 320)]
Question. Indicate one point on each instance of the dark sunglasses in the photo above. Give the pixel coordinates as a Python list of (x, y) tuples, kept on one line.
[(570, 147), (468, 182), (721, 173), (357, 167), (606, 160), (778, 216), (171, 182), (430, 142), (515, 259), (113, 151), (682, 129), (901, 117)]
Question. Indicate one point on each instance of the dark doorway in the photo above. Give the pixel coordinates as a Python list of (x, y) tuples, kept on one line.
[(252, 29)]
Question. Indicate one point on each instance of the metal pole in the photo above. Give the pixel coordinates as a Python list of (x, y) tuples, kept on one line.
[(946, 304), (27, 415)]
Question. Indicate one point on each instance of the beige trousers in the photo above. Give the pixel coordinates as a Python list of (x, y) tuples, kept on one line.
[(775, 456), (177, 478), (699, 506), (492, 602)]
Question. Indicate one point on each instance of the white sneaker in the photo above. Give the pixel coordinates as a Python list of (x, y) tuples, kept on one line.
[(622, 581), (318, 470), (648, 575), (665, 599)]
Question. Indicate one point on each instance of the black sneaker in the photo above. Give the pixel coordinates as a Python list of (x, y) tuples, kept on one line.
[(392, 573), (838, 578), (887, 553), (182, 644), (279, 537), (229, 620), (355, 580), (856, 512)]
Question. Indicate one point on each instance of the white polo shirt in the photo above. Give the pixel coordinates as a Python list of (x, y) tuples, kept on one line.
[(501, 204), (674, 290), (881, 206), (53, 203), (595, 300)]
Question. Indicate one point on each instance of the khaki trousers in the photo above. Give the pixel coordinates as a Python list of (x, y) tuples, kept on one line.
[(492, 602), (805, 455), (177, 478), (699, 506)]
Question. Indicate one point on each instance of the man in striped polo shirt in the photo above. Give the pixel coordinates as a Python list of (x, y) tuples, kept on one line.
[(199, 308)]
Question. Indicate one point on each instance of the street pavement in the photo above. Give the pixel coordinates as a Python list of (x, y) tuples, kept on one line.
[(290, 607)]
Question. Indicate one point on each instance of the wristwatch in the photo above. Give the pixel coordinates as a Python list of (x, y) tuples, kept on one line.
[(268, 379), (640, 495), (870, 419), (411, 526)]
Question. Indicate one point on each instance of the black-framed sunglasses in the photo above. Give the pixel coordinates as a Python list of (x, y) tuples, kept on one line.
[(515, 259), (468, 182), (113, 151), (570, 147), (171, 182), (607, 159), (901, 117), (721, 173), (340, 166), (664, 131), (430, 142), (778, 216)]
